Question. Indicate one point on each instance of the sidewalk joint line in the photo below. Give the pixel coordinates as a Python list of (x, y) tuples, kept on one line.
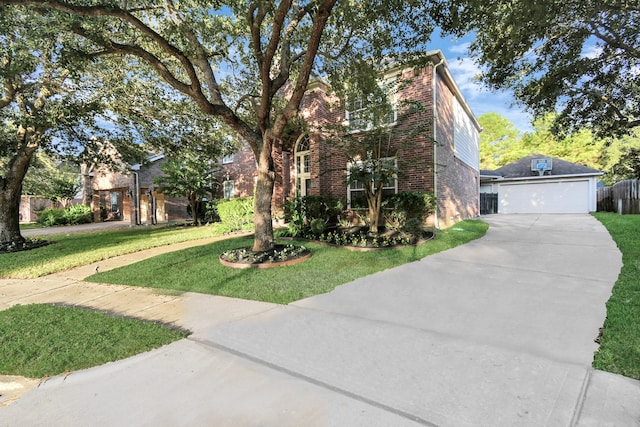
[(582, 397), (313, 381)]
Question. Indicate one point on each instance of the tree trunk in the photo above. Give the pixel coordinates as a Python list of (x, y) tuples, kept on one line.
[(10, 212), (193, 202), (263, 196), (374, 202), (11, 179)]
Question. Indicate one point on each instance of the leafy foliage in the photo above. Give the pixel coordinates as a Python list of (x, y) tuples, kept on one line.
[(190, 176), (582, 147), (75, 214), (622, 159), (235, 213), (246, 64), (578, 57)]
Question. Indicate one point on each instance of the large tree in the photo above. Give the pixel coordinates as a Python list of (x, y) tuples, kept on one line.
[(43, 105), (506, 145), (247, 63), (580, 58), (498, 137)]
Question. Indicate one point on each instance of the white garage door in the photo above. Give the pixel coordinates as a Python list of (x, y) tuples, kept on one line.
[(547, 197)]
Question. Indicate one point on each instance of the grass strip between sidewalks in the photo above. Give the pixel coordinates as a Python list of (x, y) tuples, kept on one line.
[(68, 251), (198, 269), (619, 350), (39, 340)]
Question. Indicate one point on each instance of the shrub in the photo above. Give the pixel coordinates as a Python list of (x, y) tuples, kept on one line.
[(318, 226), (235, 213), (294, 215), (78, 214), (404, 206), (51, 217), (211, 211)]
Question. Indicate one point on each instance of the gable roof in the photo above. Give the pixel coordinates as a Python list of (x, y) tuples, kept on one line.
[(522, 168)]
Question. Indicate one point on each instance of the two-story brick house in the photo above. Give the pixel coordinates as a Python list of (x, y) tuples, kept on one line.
[(444, 156)]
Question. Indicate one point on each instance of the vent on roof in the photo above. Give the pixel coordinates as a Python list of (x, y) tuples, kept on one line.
[(541, 165)]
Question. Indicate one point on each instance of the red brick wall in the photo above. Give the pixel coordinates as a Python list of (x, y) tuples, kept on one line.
[(415, 154), (242, 171), (457, 182)]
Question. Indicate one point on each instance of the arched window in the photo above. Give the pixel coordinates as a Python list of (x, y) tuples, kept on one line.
[(303, 166)]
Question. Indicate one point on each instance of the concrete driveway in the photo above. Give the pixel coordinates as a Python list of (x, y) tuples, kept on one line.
[(498, 332)]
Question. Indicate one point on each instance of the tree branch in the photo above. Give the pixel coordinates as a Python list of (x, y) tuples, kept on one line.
[(612, 40), (125, 16), (201, 55)]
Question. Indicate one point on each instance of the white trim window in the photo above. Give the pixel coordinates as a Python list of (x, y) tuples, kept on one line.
[(360, 111), (356, 197), (303, 166), (227, 159), (228, 189)]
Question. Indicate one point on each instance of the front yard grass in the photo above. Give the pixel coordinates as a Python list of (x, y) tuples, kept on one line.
[(68, 251), (619, 350), (41, 340), (198, 269)]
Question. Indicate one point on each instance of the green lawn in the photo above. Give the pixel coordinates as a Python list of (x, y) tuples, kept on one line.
[(68, 251), (41, 340), (198, 269), (619, 350)]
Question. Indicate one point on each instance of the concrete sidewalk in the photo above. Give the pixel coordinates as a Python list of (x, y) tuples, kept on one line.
[(498, 332)]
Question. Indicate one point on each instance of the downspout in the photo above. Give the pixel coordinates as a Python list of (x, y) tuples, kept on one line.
[(136, 185), (435, 140)]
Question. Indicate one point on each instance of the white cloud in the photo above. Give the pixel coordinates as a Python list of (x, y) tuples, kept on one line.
[(465, 72), (482, 100), (460, 48), (591, 52)]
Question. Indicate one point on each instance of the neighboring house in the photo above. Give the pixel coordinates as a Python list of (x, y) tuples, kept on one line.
[(131, 195), (444, 158), (541, 184), (31, 205)]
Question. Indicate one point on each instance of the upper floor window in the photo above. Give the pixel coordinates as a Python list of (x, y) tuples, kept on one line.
[(375, 109)]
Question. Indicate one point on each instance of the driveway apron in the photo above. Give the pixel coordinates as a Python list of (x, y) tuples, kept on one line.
[(498, 332)]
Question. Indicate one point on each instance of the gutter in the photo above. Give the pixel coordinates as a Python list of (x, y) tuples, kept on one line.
[(552, 177)]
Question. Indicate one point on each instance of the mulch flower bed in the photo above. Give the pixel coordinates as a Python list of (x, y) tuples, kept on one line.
[(280, 255), (25, 245)]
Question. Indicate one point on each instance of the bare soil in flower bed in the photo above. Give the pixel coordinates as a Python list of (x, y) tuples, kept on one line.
[(280, 255), (26, 245)]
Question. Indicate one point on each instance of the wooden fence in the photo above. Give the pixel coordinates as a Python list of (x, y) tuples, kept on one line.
[(488, 203), (623, 197)]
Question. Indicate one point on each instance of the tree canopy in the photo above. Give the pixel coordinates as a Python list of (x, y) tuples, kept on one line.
[(246, 63), (579, 58)]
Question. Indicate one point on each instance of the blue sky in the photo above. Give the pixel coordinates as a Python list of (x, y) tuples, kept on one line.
[(480, 99)]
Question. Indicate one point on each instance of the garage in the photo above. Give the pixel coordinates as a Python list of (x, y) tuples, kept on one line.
[(544, 197), (540, 184)]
